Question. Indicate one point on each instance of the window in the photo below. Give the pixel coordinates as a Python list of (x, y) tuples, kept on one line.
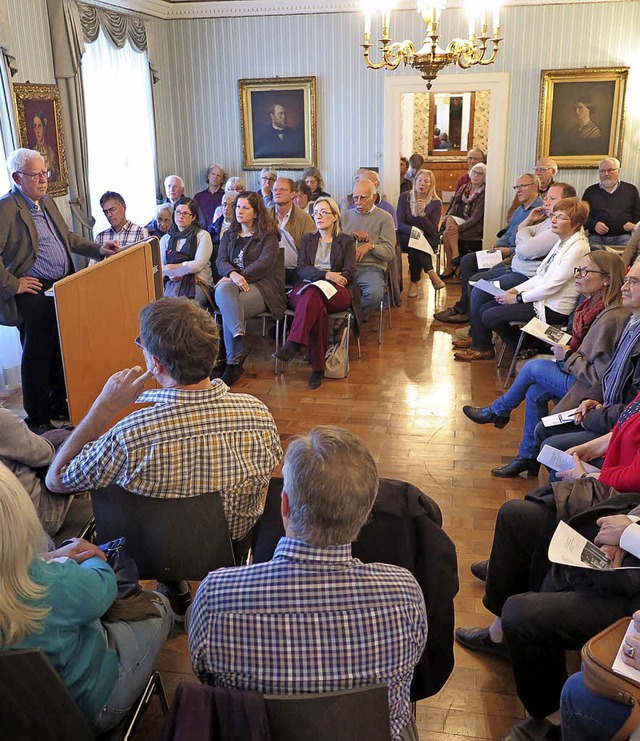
[(120, 130)]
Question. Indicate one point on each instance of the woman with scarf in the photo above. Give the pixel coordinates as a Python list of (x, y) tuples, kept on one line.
[(420, 207), (186, 253), (465, 218), (596, 327), (252, 281)]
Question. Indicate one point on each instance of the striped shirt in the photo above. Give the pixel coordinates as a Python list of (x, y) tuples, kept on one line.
[(128, 235), (190, 442), (52, 261), (311, 620)]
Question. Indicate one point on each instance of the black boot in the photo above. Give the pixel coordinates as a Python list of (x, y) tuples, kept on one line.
[(232, 372), (287, 352), (517, 466), (484, 416)]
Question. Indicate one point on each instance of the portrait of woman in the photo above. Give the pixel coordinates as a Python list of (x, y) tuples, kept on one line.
[(39, 125)]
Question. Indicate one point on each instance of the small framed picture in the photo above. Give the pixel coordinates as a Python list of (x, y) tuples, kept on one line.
[(40, 128), (582, 115), (278, 118)]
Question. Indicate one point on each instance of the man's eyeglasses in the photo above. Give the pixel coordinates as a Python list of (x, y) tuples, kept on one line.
[(610, 171), (584, 272), (521, 186), (46, 174), (138, 343), (268, 179)]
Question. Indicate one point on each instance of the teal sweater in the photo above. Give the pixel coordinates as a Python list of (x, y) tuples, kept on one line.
[(72, 636)]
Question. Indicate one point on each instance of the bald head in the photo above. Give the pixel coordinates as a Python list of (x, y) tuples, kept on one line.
[(364, 194)]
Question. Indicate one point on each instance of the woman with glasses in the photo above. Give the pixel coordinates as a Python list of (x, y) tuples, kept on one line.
[(326, 255), (550, 294), (420, 207), (596, 326), (186, 253), (252, 281)]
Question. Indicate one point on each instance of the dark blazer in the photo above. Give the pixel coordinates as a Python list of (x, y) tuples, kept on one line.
[(263, 267), (343, 260), (19, 247)]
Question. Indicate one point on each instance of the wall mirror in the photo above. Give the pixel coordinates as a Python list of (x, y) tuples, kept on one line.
[(451, 118)]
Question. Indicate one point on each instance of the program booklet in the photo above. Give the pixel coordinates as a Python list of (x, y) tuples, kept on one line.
[(546, 332), (558, 460), (488, 258), (418, 241)]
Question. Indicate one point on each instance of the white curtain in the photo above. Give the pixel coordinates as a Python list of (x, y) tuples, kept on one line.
[(120, 128)]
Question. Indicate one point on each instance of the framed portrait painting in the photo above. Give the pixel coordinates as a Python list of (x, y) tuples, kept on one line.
[(40, 128), (278, 118), (582, 115)]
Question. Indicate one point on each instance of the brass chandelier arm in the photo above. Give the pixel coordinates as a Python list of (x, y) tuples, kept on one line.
[(392, 54)]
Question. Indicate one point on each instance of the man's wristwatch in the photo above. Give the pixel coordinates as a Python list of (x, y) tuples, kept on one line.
[(518, 298)]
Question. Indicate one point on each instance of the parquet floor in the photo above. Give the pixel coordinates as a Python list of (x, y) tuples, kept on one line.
[(404, 399)]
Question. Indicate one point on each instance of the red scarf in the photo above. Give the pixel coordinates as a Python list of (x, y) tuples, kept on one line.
[(583, 318)]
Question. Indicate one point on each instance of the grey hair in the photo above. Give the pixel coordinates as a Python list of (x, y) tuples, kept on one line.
[(229, 195), (17, 160), (177, 177), (531, 175), (615, 161), (233, 181), (268, 171), (162, 208), (331, 480)]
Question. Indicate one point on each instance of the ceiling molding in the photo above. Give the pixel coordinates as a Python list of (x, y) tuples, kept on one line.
[(189, 10)]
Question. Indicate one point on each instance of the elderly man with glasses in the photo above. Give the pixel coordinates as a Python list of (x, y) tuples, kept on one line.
[(35, 252), (615, 208)]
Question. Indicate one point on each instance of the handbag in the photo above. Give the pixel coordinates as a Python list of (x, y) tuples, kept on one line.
[(337, 358), (598, 655)]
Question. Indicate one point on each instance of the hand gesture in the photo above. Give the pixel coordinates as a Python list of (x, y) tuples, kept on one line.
[(123, 388), (77, 549), (110, 247), (585, 407), (611, 529)]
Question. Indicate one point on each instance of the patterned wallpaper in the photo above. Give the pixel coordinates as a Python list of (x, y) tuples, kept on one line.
[(481, 120)]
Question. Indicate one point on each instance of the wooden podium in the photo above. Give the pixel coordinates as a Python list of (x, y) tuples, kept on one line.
[(97, 310)]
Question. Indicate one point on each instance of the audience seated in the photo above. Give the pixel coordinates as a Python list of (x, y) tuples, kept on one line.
[(313, 178), (474, 157), (302, 196), (327, 254), (233, 185), (211, 197), (541, 611), (602, 403), (252, 277), (27, 456), (527, 191), (404, 167), (174, 189), (465, 216), (293, 223), (357, 175), (121, 231), (615, 208), (590, 717), (186, 253), (596, 326), (267, 178), (420, 208), (416, 163), (54, 601), (374, 231), (196, 437), (550, 294), (327, 622), (219, 227), (162, 222)]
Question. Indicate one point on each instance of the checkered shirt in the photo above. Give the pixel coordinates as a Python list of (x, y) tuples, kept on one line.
[(128, 235), (191, 442), (311, 620)]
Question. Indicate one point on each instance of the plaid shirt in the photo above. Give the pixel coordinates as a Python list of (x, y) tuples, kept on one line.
[(189, 443), (311, 620), (128, 235)]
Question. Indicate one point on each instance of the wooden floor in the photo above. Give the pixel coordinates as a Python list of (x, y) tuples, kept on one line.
[(404, 399)]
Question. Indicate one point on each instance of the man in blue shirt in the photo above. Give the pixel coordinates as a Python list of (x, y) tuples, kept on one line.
[(527, 190), (314, 619)]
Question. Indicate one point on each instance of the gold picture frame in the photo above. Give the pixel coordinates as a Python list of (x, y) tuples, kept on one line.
[(39, 118), (278, 118), (582, 115)]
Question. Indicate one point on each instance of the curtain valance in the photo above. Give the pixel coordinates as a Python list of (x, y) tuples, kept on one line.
[(117, 27)]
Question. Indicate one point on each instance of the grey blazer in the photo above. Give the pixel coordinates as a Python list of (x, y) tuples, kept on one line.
[(19, 247)]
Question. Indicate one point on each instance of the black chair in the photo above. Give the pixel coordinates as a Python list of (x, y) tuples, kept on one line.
[(350, 715), (78, 522), (36, 705), (169, 539)]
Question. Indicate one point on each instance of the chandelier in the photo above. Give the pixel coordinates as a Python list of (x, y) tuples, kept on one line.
[(431, 58)]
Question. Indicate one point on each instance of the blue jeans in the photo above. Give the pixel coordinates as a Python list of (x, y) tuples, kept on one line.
[(538, 382), (137, 644), (468, 268), (371, 280), (602, 241), (478, 298), (589, 717)]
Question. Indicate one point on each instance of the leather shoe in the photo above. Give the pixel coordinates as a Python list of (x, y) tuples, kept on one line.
[(532, 729), (479, 569), (451, 316), (232, 373), (469, 355), (287, 352), (484, 416), (478, 639), (517, 466), (315, 379), (462, 344)]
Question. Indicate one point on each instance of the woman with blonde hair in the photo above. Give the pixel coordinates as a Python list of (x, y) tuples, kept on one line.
[(54, 600), (420, 207), (329, 255)]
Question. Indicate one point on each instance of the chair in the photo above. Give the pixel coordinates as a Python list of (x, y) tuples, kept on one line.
[(387, 296), (169, 539), (338, 316), (78, 522), (37, 705), (350, 715)]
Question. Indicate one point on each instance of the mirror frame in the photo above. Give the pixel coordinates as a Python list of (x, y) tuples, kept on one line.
[(450, 154)]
